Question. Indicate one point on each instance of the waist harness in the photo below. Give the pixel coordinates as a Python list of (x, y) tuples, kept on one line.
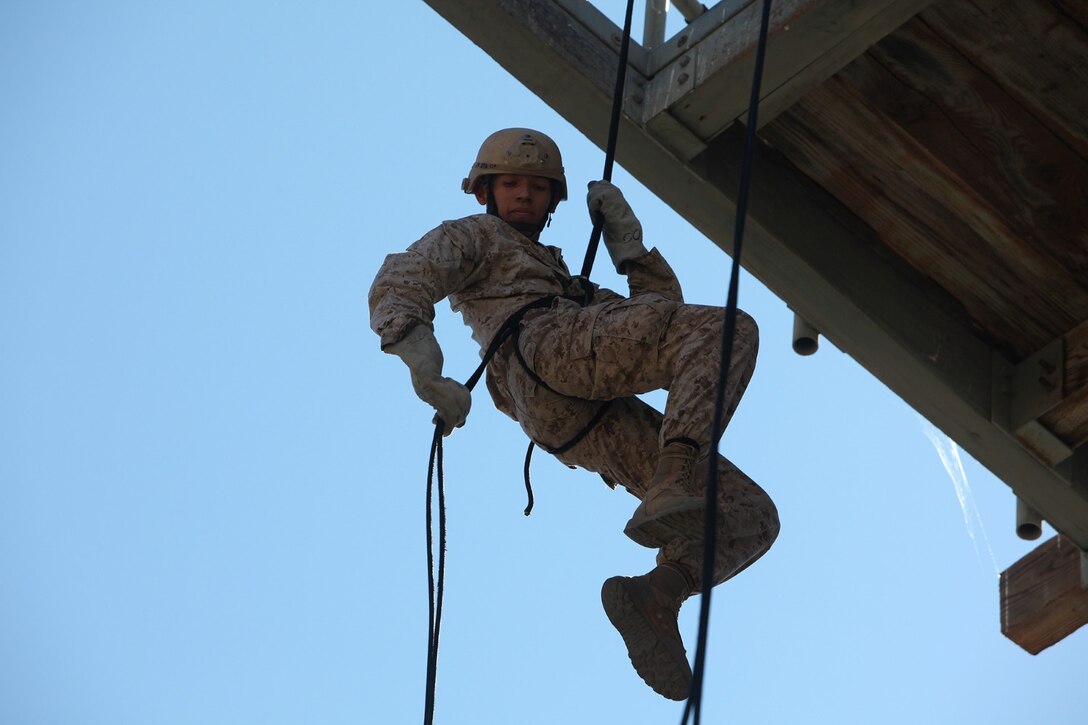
[(511, 330)]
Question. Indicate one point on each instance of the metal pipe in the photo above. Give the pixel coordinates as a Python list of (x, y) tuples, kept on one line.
[(690, 9), (653, 28), (1029, 524), (806, 338)]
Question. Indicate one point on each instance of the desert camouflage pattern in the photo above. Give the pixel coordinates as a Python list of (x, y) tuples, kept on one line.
[(582, 357)]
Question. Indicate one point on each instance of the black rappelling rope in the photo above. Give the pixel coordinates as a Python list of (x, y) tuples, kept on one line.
[(598, 226), (693, 706), (434, 614), (613, 137), (435, 590)]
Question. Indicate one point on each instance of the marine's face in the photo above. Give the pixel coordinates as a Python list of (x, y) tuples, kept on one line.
[(519, 199)]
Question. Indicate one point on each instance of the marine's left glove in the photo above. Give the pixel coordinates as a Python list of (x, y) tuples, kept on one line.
[(622, 230), (420, 352)]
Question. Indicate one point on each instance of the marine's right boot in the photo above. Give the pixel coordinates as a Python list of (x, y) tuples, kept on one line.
[(644, 609), (670, 510)]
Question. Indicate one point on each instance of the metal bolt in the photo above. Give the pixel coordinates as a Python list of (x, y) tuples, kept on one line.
[(682, 41), (684, 61), (637, 98), (682, 78)]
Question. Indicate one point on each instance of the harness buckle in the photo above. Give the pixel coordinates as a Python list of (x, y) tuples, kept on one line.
[(581, 290)]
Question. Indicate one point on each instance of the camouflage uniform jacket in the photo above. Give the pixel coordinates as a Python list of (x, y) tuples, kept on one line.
[(489, 271)]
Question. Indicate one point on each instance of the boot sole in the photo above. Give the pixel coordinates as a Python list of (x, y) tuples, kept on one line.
[(657, 667), (686, 523)]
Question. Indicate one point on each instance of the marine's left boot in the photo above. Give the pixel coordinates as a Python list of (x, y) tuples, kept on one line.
[(644, 609), (670, 510)]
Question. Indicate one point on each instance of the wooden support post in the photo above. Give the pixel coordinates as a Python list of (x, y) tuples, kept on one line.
[(1044, 598)]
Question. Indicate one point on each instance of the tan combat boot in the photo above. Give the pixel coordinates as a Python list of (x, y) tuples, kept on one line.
[(644, 610), (669, 510)]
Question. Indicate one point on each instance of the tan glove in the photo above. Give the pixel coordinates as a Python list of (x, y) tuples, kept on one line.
[(622, 230), (420, 352)]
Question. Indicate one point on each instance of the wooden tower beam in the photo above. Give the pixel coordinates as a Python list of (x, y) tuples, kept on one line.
[(1044, 596)]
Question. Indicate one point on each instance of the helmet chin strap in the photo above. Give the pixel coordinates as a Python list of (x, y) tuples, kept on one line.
[(530, 230)]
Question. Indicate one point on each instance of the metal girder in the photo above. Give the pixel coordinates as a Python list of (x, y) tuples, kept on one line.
[(802, 243)]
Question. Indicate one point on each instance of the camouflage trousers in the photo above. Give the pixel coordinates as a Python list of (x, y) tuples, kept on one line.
[(580, 357)]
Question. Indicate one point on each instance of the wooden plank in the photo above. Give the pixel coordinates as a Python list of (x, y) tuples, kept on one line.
[(550, 51), (1075, 10), (806, 244), (587, 15), (868, 32), (1026, 173), (1043, 599), (928, 215), (827, 265), (693, 34), (720, 63), (1069, 420), (1032, 49), (706, 83), (963, 117)]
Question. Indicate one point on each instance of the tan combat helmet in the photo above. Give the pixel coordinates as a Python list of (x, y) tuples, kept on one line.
[(518, 151)]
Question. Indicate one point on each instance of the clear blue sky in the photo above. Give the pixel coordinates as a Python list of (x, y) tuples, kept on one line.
[(211, 480)]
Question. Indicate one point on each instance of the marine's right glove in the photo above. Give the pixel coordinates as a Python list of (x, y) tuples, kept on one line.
[(622, 230), (420, 352)]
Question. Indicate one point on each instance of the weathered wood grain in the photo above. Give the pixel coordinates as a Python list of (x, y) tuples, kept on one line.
[(1042, 600), (929, 215), (868, 31), (719, 66), (1069, 420), (1033, 49), (595, 62), (1075, 10), (963, 117)]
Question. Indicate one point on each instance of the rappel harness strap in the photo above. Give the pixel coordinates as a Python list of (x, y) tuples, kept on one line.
[(591, 250), (582, 279), (511, 330)]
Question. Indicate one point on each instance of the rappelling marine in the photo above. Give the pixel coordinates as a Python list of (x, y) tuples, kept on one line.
[(572, 358)]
